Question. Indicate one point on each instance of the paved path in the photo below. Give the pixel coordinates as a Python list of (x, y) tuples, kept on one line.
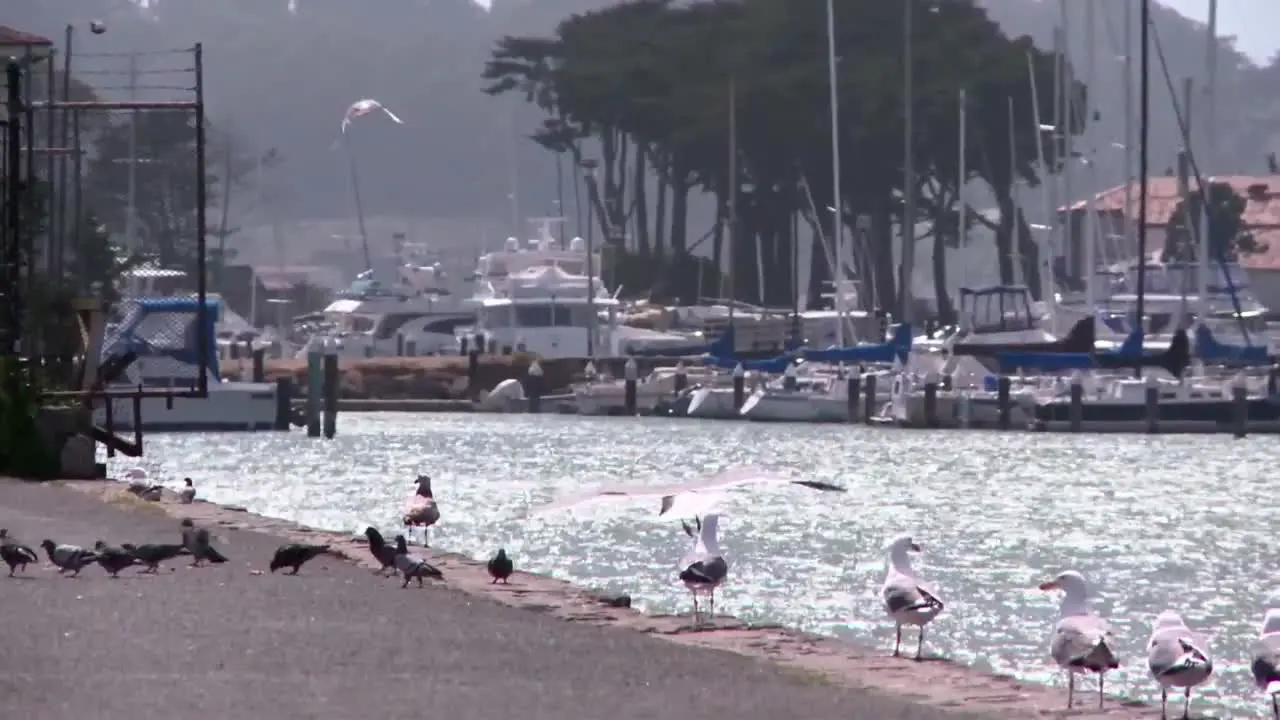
[(335, 642)]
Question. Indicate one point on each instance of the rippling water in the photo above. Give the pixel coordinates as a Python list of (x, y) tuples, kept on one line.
[(1153, 522)]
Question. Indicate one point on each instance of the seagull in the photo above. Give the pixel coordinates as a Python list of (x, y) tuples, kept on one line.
[(152, 554), (907, 600), (690, 498), (114, 559), (500, 567), (704, 568), (15, 554), (71, 558), (1266, 659), (1081, 641), (197, 541), (413, 567), (187, 494), (421, 509), (295, 555), (1175, 660)]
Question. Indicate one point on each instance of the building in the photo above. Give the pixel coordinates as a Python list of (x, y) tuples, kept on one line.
[(1261, 217), (21, 45)]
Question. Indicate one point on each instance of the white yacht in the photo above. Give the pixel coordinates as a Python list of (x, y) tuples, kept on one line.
[(162, 332), (417, 313), (540, 299)]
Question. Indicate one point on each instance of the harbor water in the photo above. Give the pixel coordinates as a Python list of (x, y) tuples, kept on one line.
[(1154, 522)]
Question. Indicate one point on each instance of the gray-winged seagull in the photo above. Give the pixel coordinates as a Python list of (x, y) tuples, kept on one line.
[(907, 600), (1081, 641), (1176, 659)]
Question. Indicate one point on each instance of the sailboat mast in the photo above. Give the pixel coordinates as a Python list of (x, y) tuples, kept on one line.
[(1204, 159), (837, 202), (1144, 131), (733, 196)]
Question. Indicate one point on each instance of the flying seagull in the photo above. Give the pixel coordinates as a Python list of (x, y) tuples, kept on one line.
[(693, 498), (1082, 641), (907, 600)]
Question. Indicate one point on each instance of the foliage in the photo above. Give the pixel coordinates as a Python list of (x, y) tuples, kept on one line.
[(23, 451), (1229, 238)]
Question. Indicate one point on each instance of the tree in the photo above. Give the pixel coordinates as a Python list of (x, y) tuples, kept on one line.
[(1229, 237)]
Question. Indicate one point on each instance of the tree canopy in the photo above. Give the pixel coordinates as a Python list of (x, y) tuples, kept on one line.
[(650, 82), (1229, 238)]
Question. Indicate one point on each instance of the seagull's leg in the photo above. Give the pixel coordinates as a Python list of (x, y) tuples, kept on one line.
[(711, 604), (1186, 706), (920, 645), (695, 606), (1275, 707), (1071, 688), (1102, 677), (897, 640), (1164, 703)]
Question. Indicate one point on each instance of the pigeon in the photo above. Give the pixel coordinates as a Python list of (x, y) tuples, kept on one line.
[(14, 554), (197, 541), (71, 558), (114, 559), (382, 552), (151, 555), (413, 567), (187, 494), (501, 567), (907, 599), (295, 555)]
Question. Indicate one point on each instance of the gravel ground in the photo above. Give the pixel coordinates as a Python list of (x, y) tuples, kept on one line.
[(335, 642)]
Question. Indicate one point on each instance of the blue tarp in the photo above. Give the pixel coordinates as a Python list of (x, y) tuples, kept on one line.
[(897, 348), (1209, 350), (1050, 362), (149, 333)]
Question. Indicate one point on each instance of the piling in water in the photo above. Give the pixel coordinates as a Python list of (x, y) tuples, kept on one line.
[(739, 386), (330, 395), (931, 400), (630, 373), (868, 398), (260, 365), (533, 386), (1240, 407), (315, 385), (1004, 401), (1153, 405), (853, 391), (284, 403), (1075, 411), (682, 378)]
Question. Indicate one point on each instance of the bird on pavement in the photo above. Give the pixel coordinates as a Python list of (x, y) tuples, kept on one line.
[(501, 567), (187, 494), (197, 541), (295, 555), (15, 554), (382, 552), (67, 558), (907, 599), (413, 567), (152, 554), (114, 559)]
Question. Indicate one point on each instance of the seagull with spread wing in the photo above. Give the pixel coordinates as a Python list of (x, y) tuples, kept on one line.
[(693, 498)]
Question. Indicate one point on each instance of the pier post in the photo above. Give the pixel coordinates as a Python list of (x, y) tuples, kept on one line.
[(1075, 411), (260, 365), (1239, 406), (852, 393), (330, 394), (1003, 401), (629, 373), (739, 386), (589, 372), (410, 348), (473, 367), (368, 351), (284, 403), (464, 345), (1153, 404), (315, 383), (789, 379), (533, 386), (682, 378), (1272, 377), (931, 400), (399, 344), (492, 348), (869, 398)]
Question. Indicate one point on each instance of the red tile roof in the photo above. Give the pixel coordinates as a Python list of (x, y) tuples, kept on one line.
[(11, 36), (1261, 214)]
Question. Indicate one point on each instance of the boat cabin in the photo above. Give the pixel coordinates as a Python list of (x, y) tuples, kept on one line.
[(997, 308)]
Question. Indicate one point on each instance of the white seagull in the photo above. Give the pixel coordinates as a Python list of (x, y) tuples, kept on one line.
[(1176, 659), (1266, 659), (907, 600), (704, 568), (1081, 641), (696, 497)]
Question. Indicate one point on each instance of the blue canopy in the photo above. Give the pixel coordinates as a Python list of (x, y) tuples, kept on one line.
[(1210, 350), (897, 348)]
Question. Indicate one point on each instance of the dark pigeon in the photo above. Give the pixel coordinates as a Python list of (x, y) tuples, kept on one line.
[(114, 559), (14, 554), (501, 567), (196, 540), (152, 554), (295, 555), (413, 567), (67, 558), (382, 552)]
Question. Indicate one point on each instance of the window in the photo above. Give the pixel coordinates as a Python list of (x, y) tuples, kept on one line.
[(536, 316)]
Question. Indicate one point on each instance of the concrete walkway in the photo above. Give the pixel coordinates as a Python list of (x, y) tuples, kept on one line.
[(335, 642)]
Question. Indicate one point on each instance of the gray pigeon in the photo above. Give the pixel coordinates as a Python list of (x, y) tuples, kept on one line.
[(196, 540), (295, 555), (500, 567), (15, 554), (114, 559), (68, 558), (413, 567), (152, 554)]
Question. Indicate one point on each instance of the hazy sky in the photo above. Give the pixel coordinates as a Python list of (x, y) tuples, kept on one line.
[(1253, 22)]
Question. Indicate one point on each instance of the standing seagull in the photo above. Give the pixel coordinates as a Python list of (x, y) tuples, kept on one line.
[(907, 600), (1081, 641), (196, 540), (1175, 660), (421, 509), (15, 554), (704, 567), (1266, 659)]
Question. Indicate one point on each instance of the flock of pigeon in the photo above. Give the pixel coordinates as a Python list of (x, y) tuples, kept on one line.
[(1081, 642)]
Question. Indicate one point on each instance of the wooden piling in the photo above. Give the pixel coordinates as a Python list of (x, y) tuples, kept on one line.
[(868, 398), (852, 394), (315, 386), (284, 403), (1239, 407), (630, 373), (1153, 404), (739, 387), (931, 400), (533, 386), (1004, 401), (330, 395), (1075, 412)]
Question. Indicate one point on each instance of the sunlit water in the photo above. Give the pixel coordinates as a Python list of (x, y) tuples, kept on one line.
[(1153, 522)]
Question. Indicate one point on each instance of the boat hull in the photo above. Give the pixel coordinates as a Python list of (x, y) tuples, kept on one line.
[(229, 407), (795, 407)]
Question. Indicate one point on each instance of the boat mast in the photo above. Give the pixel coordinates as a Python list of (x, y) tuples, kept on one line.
[(733, 197), (1144, 131), (1204, 159), (837, 202)]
